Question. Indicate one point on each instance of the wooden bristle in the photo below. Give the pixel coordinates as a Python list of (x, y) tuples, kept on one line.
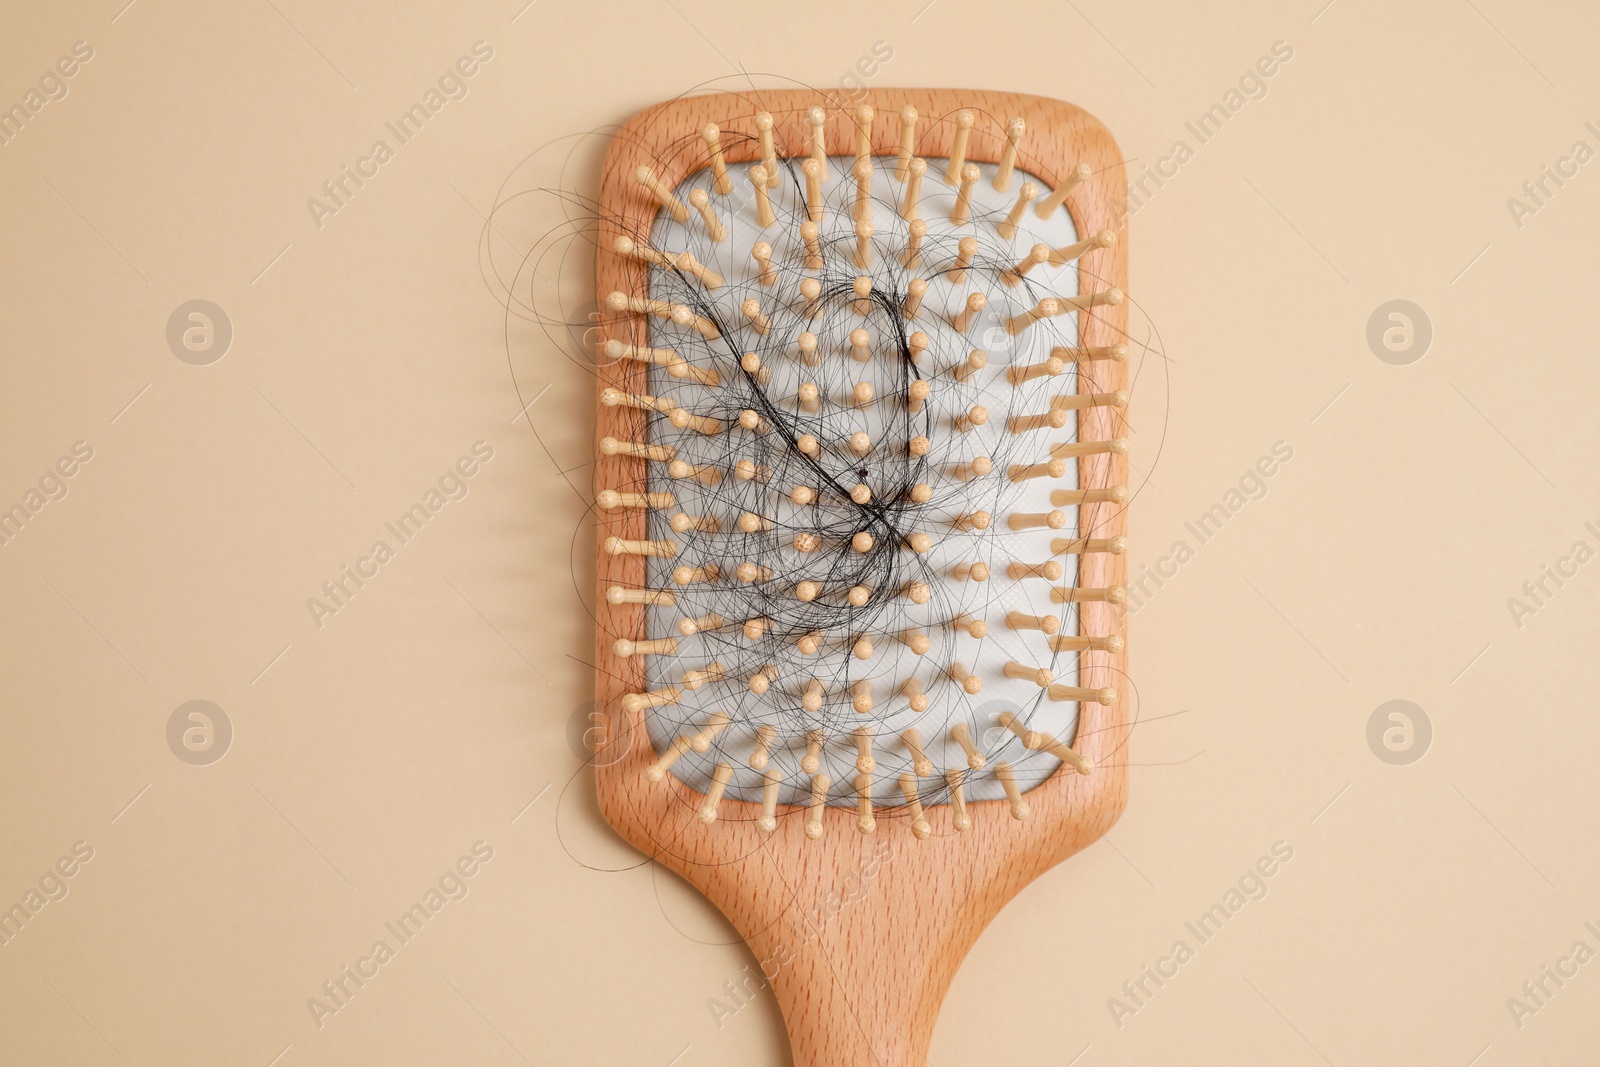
[(919, 825), (772, 781), (1008, 159), (719, 783), (1075, 177), (1008, 779), (819, 797), (818, 119), (719, 167), (960, 735), (769, 157), (958, 148), (920, 764), (647, 178), (908, 140), (960, 820)]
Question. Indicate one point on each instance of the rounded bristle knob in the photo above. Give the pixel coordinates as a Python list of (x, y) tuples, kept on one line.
[(812, 760), (860, 341)]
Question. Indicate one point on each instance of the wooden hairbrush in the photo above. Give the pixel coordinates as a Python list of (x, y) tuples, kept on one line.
[(861, 493)]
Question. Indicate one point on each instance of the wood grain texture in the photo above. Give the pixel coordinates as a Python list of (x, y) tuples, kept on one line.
[(860, 935)]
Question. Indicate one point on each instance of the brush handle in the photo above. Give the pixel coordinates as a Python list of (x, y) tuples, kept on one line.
[(842, 1006)]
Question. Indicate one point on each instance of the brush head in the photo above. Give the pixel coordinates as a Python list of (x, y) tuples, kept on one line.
[(855, 385)]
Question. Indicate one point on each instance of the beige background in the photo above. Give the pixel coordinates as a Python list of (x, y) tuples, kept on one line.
[(428, 713)]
